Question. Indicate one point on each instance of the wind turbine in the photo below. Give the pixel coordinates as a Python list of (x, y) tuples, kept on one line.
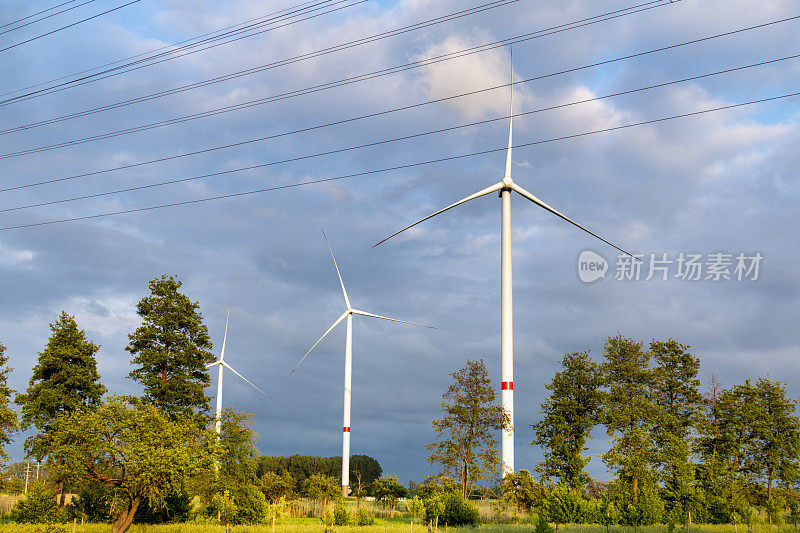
[(505, 187), (348, 366), (219, 364)]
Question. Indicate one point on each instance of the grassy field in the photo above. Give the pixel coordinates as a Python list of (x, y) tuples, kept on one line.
[(299, 525)]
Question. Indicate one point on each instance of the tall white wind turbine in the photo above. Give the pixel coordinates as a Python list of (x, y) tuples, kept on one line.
[(348, 366), (505, 187), (219, 364)]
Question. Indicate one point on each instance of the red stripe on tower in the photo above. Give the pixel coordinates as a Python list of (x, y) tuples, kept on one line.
[(346, 429), (508, 385)]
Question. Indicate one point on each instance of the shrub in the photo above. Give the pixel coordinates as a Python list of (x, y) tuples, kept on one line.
[(341, 516), (364, 517), (542, 526), (458, 511), (38, 507)]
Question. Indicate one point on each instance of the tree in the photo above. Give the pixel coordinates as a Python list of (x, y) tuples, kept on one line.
[(135, 449), (322, 488), (629, 412), (276, 486), (64, 380), (465, 445), (171, 349), (388, 490), (38, 506), (236, 468), (8, 417), (524, 492), (676, 394), (570, 413)]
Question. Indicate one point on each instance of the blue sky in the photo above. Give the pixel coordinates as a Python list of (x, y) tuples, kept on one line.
[(720, 182)]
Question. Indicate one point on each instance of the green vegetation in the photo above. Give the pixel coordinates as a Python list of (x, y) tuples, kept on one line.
[(726, 460)]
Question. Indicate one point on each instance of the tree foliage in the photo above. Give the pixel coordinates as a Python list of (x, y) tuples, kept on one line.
[(570, 413), (171, 350), (134, 449), (8, 417), (465, 446)]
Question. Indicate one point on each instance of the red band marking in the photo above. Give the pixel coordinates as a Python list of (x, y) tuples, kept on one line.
[(508, 385), (346, 429)]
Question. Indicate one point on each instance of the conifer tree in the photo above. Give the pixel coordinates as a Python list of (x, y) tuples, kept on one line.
[(171, 350), (570, 413), (8, 417), (64, 380)]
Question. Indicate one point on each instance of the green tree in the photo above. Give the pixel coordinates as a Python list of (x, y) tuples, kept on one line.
[(465, 445), (522, 491), (629, 413), (322, 488), (570, 412), (388, 490), (676, 395), (563, 505), (171, 350), (134, 449), (64, 380), (38, 506), (8, 417), (276, 486)]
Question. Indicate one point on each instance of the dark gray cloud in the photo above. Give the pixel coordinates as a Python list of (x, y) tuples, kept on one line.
[(719, 182)]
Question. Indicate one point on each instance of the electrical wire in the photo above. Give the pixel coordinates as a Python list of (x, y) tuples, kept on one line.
[(179, 44), (318, 53), (398, 167), (68, 26), (38, 13), (347, 81), (306, 13), (42, 18), (404, 138), (370, 115)]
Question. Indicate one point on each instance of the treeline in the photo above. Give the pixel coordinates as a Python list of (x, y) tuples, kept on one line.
[(722, 455), (364, 470)]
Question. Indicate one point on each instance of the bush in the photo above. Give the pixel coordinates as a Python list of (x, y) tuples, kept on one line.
[(542, 526), (341, 516), (176, 508), (92, 504), (364, 517), (38, 507), (458, 511)]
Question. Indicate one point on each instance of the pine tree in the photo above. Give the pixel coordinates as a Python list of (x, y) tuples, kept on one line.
[(570, 413), (64, 380), (8, 417), (171, 349), (465, 446)]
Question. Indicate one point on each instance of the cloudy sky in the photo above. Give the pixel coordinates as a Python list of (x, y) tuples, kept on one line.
[(720, 182)]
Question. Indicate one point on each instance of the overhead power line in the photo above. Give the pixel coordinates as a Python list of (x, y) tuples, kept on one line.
[(370, 115), (299, 15), (310, 55), (20, 26), (396, 139), (68, 26), (398, 167), (179, 44), (317, 88)]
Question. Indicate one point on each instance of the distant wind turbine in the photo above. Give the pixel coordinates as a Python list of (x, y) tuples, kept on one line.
[(506, 308), (348, 366), (219, 364)]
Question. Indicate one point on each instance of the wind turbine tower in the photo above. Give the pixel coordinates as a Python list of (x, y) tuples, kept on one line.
[(348, 367), (504, 189), (219, 364)]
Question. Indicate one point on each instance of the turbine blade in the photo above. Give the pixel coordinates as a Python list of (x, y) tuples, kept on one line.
[(215, 363), (373, 315), (225, 337), (229, 367), (487, 190), (543, 205), (344, 291), (320, 339), (510, 117)]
